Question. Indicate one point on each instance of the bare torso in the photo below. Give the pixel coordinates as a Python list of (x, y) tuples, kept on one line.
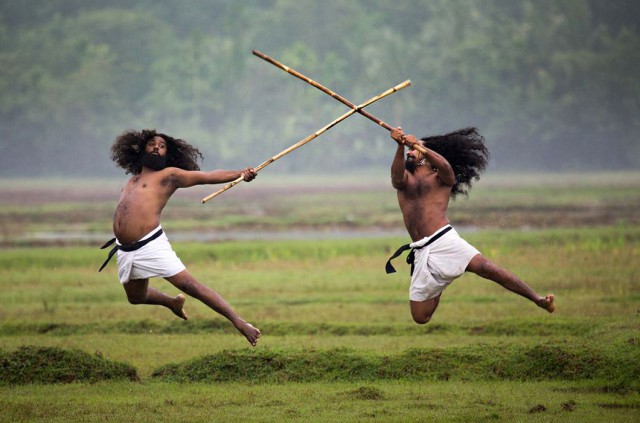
[(144, 196), (424, 182), (141, 203), (423, 202)]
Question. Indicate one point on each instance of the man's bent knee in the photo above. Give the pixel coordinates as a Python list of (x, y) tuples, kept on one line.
[(136, 291), (421, 320), (136, 299), (421, 316), (421, 311)]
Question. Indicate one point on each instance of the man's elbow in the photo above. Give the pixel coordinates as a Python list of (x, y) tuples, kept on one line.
[(448, 178), (449, 182)]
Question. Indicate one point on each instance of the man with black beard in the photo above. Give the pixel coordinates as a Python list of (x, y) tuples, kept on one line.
[(153, 161), (161, 164), (424, 185)]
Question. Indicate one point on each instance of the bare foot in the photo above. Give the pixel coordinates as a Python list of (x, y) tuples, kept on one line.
[(251, 333), (547, 303), (177, 308)]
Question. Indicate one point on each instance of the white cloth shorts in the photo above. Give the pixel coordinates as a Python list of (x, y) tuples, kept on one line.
[(154, 260), (438, 264)]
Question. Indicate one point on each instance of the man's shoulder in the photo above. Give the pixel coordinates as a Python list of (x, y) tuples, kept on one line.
[(176, 170), (157, 176), (175, 176), (167, 172)]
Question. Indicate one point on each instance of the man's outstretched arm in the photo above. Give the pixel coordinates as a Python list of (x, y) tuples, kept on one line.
[(186, 178)]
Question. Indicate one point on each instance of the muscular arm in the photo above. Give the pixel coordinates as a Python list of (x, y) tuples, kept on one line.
[(398, 175), (185, 178), (442, 166)]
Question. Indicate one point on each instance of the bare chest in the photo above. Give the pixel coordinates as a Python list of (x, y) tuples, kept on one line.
[(141, 198)]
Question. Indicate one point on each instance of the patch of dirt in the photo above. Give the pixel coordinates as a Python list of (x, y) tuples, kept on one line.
[(87, 207)]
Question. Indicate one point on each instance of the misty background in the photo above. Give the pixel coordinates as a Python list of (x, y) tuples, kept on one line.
[(552, 84)]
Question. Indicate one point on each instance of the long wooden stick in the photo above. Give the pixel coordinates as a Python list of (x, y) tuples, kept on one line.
[(312, 136), (331, 93)]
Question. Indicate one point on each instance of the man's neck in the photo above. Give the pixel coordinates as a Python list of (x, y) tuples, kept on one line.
[(147, 170)]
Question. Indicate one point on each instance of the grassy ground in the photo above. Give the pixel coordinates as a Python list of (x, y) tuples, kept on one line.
[(329, 304), (319, 402), (338, 343)]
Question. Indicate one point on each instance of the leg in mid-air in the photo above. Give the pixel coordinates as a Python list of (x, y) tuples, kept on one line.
[(421, 311), (489, 270), (139, 292), (185, 282)]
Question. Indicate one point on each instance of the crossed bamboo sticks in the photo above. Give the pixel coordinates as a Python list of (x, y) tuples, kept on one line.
[(332, 94), (354, 109)]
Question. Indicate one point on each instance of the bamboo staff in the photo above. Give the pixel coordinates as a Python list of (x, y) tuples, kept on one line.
[(312, 136), (332, 94)]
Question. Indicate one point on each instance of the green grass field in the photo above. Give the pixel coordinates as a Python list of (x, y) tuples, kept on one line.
[(338, 341)]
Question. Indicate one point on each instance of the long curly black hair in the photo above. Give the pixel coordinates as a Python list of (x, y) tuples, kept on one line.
[(128, 147), (464, 149)]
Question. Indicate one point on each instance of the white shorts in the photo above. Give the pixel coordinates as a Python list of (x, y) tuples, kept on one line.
[(156, 259), (438, 264)]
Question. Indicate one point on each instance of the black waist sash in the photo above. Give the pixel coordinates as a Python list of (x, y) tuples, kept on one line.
[(128, 247), (411, 257)]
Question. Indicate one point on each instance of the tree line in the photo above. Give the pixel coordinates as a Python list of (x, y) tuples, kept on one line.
[(552, 85)]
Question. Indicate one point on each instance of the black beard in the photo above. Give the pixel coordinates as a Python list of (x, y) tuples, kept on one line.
[(153, 161), (410, 165)]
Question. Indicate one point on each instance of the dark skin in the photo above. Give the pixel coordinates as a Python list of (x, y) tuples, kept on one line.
[(138, 212), (423, 197)]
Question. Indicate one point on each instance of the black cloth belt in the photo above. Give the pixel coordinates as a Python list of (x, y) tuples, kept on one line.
[(128, 247), (411, 257)]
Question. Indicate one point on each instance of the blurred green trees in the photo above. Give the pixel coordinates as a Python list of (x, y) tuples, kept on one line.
[(551, 84)]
